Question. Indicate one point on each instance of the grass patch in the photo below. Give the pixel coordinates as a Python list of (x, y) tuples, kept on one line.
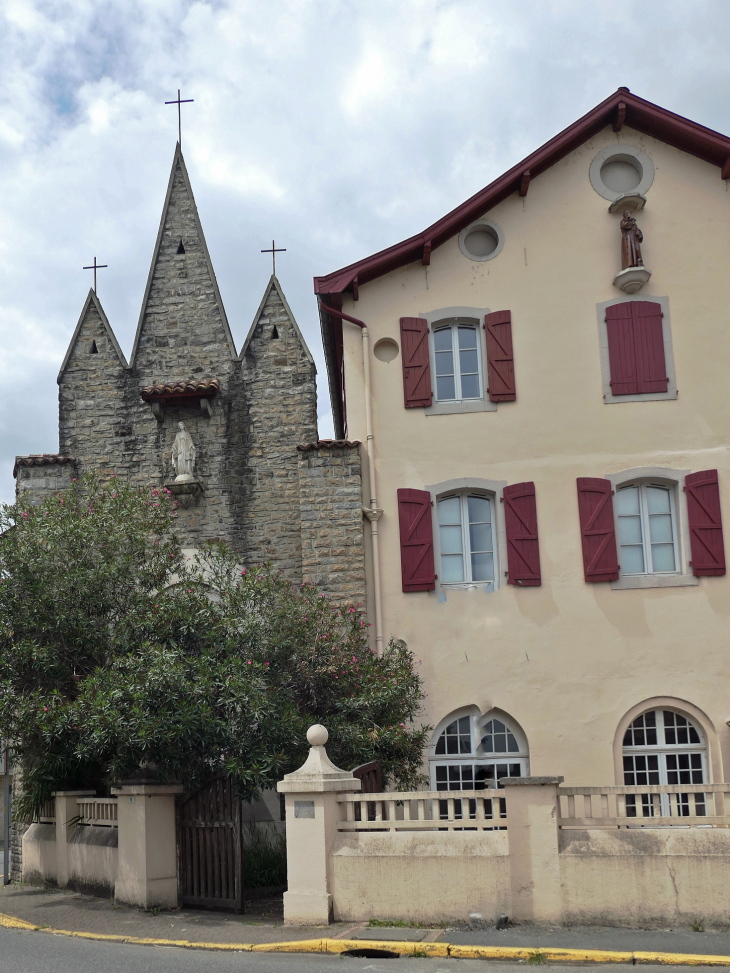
[(698, 925), (537, 959), (419, 953)]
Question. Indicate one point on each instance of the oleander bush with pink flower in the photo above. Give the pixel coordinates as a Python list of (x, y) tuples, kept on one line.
[(119, 655)]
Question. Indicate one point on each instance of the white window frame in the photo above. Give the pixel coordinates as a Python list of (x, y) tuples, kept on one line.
[(674, 479), (645, 523), (493, 490), (465, 524), (608, 397), (454, 316), (453, 328), (663, 749), (477, 758)]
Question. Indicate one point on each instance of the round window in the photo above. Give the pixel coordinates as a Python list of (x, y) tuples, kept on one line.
[(620, 170), (481, 241), (386, 349)]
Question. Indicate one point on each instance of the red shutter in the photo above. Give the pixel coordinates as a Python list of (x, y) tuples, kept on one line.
[(520, 519), (705, 523), (416, 540), (500, 358), (598, 533), (416, 364), (636, 348)]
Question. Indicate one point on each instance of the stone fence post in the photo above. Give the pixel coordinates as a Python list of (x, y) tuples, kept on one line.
[(532, 829), (147, 863), (66, 810), (312, 813)]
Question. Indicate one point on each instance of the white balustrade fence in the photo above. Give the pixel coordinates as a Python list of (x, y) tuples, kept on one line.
[(424, 811), (648, 806), (99, 811)]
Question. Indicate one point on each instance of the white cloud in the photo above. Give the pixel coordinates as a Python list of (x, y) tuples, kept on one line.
[(336, 126)]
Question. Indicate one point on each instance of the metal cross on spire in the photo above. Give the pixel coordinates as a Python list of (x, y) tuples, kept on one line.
[(179, 101), (95, 266), (273, 251)]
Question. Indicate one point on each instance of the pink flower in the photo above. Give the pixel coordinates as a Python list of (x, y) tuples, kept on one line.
[(266, 663), (25, 513), (45, 709), (243, 572), (248, 663)]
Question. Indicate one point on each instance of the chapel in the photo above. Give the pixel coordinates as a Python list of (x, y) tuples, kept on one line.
[(233, 435)]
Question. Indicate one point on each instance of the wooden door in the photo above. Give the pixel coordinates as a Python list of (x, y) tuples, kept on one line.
[(210, 846)]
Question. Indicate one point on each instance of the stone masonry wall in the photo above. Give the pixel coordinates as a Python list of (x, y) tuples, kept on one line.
[(43, 476), (330, 510), (281, 397)]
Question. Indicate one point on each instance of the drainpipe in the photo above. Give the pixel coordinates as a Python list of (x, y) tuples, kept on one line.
[(373, 512)]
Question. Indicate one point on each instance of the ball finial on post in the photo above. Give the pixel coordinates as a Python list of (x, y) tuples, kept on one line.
[(317, 735)]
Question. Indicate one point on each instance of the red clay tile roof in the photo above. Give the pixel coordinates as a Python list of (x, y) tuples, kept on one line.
[(41, 459), (181, 390), (328, 444)]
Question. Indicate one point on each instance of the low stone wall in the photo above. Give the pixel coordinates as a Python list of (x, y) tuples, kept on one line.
[(91, 858), (645, 877), (424, 877)]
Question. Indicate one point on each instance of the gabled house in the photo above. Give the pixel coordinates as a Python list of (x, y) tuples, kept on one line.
[(539, 380)]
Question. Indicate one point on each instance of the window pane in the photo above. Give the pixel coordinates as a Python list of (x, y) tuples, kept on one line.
[(482, 567), (627, 501), (470, 387), (480, 510), (467, 338), (450, 511), (660, 528), (657, 500), (632, 560), (444, 363), (445, 388), (629, 530), (452, 569), (468, 362), (662, 557), (442, 339), (480, 537), (450, 540)]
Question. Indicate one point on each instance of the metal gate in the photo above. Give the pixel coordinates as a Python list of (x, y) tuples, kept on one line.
[(210, 846)]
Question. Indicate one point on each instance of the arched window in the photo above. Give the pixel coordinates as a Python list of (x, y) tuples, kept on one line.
[(662, 746), (475, 751), (458, 362)]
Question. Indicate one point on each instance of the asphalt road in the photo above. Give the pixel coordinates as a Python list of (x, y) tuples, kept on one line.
[(37, 952)]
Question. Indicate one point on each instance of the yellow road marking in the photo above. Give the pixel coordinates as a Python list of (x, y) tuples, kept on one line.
[(324, 945)]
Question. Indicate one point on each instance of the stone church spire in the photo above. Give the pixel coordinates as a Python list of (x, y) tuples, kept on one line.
[(183, 331)]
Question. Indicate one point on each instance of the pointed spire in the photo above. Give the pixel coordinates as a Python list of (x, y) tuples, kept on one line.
[(271, 317), (182, 306), (93, 335)]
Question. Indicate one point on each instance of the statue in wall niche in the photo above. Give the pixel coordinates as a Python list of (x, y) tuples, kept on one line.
[(631, 240), (183, 455)]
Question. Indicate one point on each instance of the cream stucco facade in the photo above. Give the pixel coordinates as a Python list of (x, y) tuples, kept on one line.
[(568, 662)]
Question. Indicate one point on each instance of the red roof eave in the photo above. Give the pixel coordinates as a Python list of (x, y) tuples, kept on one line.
[(642, 115)]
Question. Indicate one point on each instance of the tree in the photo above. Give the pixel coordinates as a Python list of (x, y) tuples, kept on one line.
[(118, 654)]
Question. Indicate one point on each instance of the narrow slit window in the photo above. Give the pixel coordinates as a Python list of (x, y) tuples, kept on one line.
[(181, 247), (274, 333), (93, 350)]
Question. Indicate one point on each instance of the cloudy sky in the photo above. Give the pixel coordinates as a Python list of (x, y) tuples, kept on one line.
[(337, 127)]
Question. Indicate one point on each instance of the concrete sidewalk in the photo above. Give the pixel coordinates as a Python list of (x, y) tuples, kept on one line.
[(262, 923)]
